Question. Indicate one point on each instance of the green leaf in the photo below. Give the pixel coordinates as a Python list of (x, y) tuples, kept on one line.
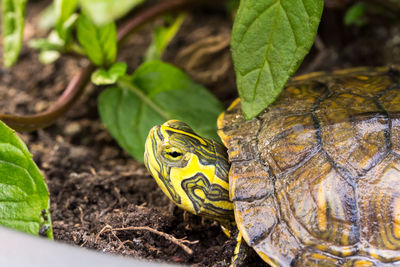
[(99, 42), (107, 77), (13, 18), (269, 41), (45, 44), (50, 48), (355, 15), (162, 36), (24, 198), (49, 56), (156, 92), (48, 17), (105, 11), (64, 9)]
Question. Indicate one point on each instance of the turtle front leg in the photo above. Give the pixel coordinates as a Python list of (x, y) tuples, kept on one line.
[(240, 252)]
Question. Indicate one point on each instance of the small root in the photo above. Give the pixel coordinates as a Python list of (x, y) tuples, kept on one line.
[(123, 244), (81, 215), (196, 58), (179, 242)]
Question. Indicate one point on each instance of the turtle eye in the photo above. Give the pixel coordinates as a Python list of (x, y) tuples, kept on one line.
[(172, 153)]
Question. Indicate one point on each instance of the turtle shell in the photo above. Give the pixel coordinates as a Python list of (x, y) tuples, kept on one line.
[(315, 178)]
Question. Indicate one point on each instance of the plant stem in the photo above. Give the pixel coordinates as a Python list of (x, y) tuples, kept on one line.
[(126, 84), (77, 49), (63, 104), (79, 81)]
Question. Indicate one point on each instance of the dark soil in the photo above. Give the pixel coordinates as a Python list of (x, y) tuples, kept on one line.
[(94, 184)]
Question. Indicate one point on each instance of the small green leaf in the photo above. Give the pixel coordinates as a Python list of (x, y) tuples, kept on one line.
[(162, 36), (99, 42), (45, 44), (105, 11), (24, 198), (269, 41), (48, 56), (355, 15), (64, 9), (107, 77), (48, 17), (157, 92), (13, 18), (50, 47)]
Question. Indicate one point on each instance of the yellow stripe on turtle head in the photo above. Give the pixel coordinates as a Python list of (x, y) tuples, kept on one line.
[(192, 171), (167, 128)]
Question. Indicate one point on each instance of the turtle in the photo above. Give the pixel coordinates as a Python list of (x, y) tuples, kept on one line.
[(313, 180)]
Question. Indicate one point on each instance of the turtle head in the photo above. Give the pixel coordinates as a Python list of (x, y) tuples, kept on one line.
[(191, 170)]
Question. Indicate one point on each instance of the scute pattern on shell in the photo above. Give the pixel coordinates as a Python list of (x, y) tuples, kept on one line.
[(315, 178)]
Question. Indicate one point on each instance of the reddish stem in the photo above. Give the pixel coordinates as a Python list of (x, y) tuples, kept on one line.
[(79, 81), (63, 104)]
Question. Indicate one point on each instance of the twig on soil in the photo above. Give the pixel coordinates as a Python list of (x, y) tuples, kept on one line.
[(320, 58), (83, 244), (179, 242), (123, 244), (198, 53), (81, 215)]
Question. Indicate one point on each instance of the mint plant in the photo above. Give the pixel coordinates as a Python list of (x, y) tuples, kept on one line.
[(270, 39), (153, 95), (24, 198), (13, 14), (136, 101)]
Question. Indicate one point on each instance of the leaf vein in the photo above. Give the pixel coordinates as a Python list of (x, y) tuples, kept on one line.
[(117, 122), (250, 71), (139, 114), (305, 9), (11, 201), (266, 55), (295, 38), (120, 116), (19, 220), (256, 18), (290, 26), (23, 169)]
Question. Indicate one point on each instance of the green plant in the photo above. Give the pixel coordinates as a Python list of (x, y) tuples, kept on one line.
[(24, 198), (270, 38), (355, 15), (277, 27), (137, 101), (129, 107), (269, 41)]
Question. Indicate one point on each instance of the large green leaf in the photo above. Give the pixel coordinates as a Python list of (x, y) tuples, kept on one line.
[(269, 41), (13, 18), (106, 11), (24, 199), (157, 92), (99, 42), (48, 17)]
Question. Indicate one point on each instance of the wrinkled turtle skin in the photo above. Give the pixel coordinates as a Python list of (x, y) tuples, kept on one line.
[(315, 178)]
